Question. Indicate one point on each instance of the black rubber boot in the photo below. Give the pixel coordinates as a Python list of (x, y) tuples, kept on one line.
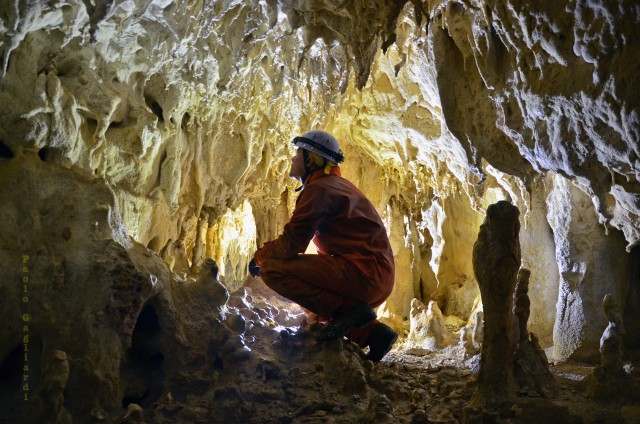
[(380, 342), (341, 324)]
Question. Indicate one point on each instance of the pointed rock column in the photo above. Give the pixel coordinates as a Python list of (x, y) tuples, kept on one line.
[(609, 379), (531, 367), (496, 260)]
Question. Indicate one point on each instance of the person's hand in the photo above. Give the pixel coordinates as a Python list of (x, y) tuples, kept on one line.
[(254, 268)]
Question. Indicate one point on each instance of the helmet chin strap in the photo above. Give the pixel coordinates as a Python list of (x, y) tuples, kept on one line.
[(307, 170)]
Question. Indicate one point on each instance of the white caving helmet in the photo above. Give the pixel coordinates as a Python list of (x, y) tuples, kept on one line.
[(322, 143)]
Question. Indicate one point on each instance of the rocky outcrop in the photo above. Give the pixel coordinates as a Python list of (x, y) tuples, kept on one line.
[(85, 286)]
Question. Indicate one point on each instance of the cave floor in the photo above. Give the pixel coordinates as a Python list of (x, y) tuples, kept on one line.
[(402, 388), (449, 384), (281, 374)]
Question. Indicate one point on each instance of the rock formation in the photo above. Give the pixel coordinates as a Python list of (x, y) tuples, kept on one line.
[(591, 264), (611, 342), (609, 377), (472, 334), (427, 331), (521, 306), (496, 260), (55, 375), (141, 139), (531, 367)]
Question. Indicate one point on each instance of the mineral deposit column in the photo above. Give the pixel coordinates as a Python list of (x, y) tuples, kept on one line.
[(496, 260)]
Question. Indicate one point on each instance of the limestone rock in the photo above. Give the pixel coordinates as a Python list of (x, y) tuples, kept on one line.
[(531, 367), (83, 294), (428, 331), (591, 264), (496, 260), (609, 378), (98, 310)]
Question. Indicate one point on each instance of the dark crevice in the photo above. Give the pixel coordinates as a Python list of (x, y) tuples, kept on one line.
[(155, 107), (186, 120), (5, 151), (217, 363), (11, 368), (142, 372), (16, 366), (154, 244), (147, 327), (44, 154)]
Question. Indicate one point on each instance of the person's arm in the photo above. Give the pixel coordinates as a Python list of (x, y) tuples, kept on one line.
[(311, 210)]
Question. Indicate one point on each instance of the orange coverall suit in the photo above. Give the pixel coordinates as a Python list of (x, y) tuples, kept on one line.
[(354, 261)]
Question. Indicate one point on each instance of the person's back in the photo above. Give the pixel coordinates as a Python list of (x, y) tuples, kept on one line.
[(354, 225)]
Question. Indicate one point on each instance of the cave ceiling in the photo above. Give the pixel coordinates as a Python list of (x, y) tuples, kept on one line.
[(152, 95)]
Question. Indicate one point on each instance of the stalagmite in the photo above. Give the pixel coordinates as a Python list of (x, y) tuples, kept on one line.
[(496, 260), (54, 381), (531, 367), (427, 329), (609, 377), (611, 343)]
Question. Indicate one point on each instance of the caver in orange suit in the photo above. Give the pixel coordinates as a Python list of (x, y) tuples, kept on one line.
[(354, 261)]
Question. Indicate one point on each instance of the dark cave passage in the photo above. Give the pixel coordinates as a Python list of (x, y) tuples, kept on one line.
[(142, 371)]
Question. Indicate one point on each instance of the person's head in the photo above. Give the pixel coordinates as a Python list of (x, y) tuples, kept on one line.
[(315, 150)]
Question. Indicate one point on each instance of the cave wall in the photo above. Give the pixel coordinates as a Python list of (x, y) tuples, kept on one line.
[(591, 262), (185, 111)]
